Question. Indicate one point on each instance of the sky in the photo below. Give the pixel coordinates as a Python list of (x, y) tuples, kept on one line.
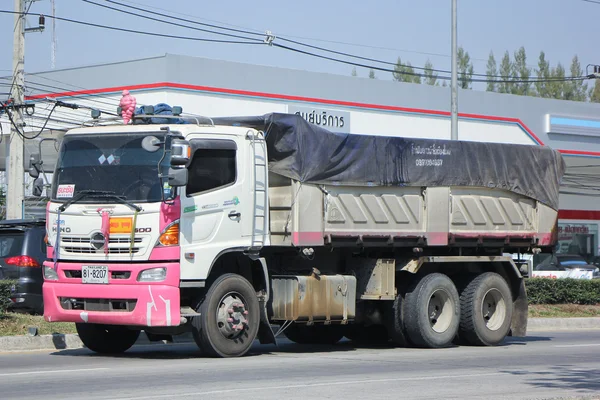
[(384, 29)]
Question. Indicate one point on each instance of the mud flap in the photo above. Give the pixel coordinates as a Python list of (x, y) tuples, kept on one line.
[(518, 326), (265, 333)]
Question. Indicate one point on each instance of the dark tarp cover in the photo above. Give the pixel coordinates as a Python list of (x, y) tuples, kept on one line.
[(311, 154)]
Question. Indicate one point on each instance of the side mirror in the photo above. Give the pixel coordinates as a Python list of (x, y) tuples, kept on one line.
[(151, 144), (38, 187), (178, 177), (34, 162)]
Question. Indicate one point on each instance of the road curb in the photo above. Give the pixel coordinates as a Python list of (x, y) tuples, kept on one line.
[(558, 324), (67, 342)]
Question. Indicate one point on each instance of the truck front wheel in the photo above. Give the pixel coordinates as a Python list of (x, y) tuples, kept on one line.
[(229, 318), (431, 311), (106, 339), (486, 310)]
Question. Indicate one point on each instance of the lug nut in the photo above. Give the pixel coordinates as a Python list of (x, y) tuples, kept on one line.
[(230, 311), (229, 319), (245, 313)]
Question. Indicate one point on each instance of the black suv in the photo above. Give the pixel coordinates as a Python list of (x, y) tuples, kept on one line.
[(22, 253)]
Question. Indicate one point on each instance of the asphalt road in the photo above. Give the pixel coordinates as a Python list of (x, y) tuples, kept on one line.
[(543, 366)]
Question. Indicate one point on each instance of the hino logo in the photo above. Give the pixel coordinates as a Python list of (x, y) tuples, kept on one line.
[(97, 241), (64, 229)]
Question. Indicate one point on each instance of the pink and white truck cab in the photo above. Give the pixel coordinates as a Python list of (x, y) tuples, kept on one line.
[(225, 227)]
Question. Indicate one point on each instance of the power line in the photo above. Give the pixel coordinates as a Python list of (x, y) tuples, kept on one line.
[(281, 38), (166, 22), (114, 28), (256, 32), (247, 32), (314, 54), (503, 77)]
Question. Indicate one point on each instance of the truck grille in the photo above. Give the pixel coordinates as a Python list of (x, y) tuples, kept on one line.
[(116, 245)]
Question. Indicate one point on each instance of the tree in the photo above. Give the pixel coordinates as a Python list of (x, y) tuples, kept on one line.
[(506, 70), (430, 78), (556, 85), (491, 73), (595, 93), (543, 73), (372, 74), (354, 71), (405, 73), (465, 69), (521, 74), (575, 90)]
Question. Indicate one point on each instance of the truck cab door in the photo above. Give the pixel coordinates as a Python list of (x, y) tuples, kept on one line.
[(213, 210)]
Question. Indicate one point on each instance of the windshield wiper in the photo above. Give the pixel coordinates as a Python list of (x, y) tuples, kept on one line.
[(102, 194)]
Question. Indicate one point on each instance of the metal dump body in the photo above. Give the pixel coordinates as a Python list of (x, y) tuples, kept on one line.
[(312, 215)]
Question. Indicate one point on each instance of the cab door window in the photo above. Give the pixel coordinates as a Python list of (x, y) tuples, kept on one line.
[(210, 169)]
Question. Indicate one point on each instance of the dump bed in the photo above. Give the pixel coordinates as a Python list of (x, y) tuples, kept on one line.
[(328, 188)]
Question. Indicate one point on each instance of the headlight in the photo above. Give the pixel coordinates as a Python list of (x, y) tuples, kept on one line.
[(153, 275), (50, 274)]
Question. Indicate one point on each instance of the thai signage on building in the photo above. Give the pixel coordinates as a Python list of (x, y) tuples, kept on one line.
[(579, 239), (332, 120)]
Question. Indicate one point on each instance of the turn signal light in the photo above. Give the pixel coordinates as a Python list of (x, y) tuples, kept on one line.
[(22, 261), (170, 237)]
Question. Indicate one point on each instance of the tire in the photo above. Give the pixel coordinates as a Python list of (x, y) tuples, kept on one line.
[(394, 322), (314, 334), (372, 335), (229, 318), (486, 310), (431, 311), (106, 339)]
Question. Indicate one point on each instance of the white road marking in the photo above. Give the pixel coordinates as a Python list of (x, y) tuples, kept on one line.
[(55, 371), (579, 345), (309, 385)]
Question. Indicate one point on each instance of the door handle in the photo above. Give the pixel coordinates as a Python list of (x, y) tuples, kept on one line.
[(234, 214)]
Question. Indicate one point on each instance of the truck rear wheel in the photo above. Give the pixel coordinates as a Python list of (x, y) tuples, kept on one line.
[(313, 334), (486, 310), (229, 318), (432, 312), (106, 339), (394, 322)]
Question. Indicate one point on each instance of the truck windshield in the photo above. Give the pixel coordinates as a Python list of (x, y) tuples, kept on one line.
[(107, 162)]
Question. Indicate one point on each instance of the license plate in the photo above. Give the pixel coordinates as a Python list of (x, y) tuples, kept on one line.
[(94, 274)]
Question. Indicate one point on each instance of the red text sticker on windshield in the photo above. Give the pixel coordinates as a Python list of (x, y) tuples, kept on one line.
[(65, 191)]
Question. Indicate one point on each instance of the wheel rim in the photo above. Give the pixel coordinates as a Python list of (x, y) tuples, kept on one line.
[(493, 309), (440, 310), (232, 316)]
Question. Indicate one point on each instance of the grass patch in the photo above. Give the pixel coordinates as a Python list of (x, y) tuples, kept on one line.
[(563, 310), (12, 324)]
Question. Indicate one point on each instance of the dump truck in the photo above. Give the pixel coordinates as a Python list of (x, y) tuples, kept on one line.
[(237, 229)]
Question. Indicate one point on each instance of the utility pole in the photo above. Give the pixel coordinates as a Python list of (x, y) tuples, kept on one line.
[(15, 173), (15, 167), (454, 79)]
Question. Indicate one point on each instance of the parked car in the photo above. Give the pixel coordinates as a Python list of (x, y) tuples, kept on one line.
[(568, 262), (22, 252)]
